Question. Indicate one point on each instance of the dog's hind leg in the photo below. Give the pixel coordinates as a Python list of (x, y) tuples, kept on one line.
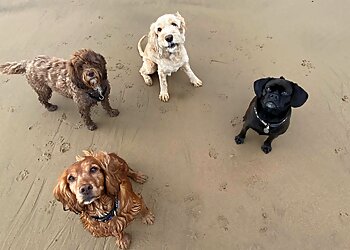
[(148, 68), (147, 216), (44, 94), (193, 78), (137, 176)]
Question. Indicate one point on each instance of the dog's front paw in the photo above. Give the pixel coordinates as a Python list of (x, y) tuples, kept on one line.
[(148, 218), (148, 80), (140, 178), (164, 96), (197, 83), (52, 107), (266, 148), (113, 112), (124, 243), (239, 140), (91, 126)]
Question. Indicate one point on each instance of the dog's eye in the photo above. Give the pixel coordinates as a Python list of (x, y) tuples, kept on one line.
[(93, 169), (159, 29), (71, 178), (174, 24), (268, 89), (284, 93)]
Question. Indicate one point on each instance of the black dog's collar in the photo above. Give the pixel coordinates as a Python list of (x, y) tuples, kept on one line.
[(268, 125), (110, 214)]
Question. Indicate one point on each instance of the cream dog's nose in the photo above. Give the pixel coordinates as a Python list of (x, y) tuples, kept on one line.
[(169, 38)]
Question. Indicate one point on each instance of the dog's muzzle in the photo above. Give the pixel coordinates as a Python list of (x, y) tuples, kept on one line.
[(172, 45), (271, 105)]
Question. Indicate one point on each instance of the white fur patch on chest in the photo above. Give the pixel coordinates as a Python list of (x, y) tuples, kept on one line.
[(171, 64)]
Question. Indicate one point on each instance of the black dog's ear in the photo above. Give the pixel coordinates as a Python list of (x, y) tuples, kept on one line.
[(299, 96), (282, 77), (259, 85)]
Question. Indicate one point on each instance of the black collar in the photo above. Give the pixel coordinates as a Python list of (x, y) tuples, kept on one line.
[(108, 216), (267, 124)]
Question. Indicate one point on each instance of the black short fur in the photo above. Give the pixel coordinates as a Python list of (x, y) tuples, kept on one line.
[(270, 110)]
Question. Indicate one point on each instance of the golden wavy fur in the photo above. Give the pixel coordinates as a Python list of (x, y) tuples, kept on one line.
[(93, 185)]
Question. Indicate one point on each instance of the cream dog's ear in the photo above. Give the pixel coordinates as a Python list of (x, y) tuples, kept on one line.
[(182, 20), (152, 38)]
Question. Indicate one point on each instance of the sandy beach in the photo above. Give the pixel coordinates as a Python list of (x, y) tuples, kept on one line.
[(205, 191)]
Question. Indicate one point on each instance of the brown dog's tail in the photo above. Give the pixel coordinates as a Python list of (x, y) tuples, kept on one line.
[(139, 45), (13, 67)]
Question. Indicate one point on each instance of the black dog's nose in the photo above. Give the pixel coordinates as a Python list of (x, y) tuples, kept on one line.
[(169, 38), (85, 189), (273, 97), (91, 74)]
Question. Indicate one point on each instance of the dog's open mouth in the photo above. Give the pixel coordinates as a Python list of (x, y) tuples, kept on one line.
[(89, 200), (172, 45), (271, 105)]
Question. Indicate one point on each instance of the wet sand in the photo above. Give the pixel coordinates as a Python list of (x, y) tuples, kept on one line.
[(206, 192)]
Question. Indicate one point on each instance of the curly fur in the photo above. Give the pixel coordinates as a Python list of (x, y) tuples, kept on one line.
[(108, 182), (165, 52), (83, 78)]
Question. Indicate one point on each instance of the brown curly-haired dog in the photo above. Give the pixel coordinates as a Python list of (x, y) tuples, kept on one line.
[(83, 78), (98, 188)]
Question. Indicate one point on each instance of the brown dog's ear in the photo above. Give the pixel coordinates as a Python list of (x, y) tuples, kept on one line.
[(110, 168), (299, 96), (97, 59), (183, 24), (259, 85), (63, 194), (152, 38), (103, 66), (73, 73)]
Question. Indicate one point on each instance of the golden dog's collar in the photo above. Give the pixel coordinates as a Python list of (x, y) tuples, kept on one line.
[(108, 216)]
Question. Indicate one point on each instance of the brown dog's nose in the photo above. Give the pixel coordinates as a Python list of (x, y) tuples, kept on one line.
[(85, 189), (91, 74), (169, 38)]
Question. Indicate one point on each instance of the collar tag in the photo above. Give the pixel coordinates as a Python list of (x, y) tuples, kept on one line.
[(267, 129)]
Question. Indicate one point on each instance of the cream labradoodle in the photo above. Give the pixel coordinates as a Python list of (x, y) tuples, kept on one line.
[(165, 52)]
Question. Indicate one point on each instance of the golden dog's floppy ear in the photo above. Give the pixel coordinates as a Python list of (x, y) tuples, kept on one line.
[(152, 37), (183, 24), (63, 194), (110, 169)]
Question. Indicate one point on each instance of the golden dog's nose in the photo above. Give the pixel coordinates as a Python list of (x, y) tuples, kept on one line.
[(85, 189)]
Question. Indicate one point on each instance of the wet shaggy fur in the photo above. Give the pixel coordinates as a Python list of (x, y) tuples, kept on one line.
[(83, 78), (91, 186)]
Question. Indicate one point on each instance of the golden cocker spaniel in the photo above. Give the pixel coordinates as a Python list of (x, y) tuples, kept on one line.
[(97, 187)]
